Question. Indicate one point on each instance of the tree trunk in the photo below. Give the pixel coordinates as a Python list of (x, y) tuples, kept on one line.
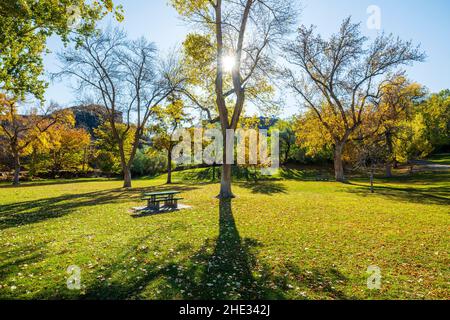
[(126, 174), (126, 177), (16, 181), (125, 166), (395, 164), (286, 155), (371, 180), (338, 163), (84, 159), (390, 148), (388, 170), (33, 170), (169, 167), (225, 184)]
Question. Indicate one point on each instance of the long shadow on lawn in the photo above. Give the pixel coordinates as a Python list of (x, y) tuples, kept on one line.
[(227, 272), (28, 212), (265, 187), (44, 183), (11, 260), (225, 268), (420, 178), (33, 211), (431, 195)]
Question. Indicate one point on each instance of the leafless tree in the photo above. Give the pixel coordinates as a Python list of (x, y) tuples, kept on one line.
[(338, 78), (126, 77), (248, 32)]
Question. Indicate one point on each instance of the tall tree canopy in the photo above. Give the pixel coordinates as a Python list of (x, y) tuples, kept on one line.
[(126, 77), (169, 119), (233, 48), (397, 106), (436, 113), (20, 131), (340, 77), (25, 26)]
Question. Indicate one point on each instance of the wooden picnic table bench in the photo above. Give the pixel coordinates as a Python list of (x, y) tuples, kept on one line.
[(169, 198), (322, 177)]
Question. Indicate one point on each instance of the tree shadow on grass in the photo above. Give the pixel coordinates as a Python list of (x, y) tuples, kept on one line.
[(306, 174), (177, 186), (432, 195), (227, 272), (34, 211), (208, 175), (225, 268), (321, 281), (221, 269), (420, 178), (265, 187), (44, 183), (12, 259)]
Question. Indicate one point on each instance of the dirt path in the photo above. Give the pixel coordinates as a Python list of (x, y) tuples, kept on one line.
[(423, 165)]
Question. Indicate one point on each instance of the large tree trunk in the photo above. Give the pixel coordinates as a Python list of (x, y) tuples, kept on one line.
[(169, 167), (338, 163), (16, 178), (286, 155), (371, 179), (126, 177), (388, 169), (84, 159), (225, 184), (125, 167), (33, 170), (395, 164), (390, 148)]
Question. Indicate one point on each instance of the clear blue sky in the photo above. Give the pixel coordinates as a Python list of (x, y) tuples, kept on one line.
[(425, 22)]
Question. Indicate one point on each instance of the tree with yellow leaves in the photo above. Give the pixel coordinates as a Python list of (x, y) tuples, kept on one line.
[(21, 130), (234, 46), (62, 147), (339, 77), (396, 109), (169, 119)]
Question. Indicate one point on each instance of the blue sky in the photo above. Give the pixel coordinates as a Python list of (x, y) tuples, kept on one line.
[(425, 22)]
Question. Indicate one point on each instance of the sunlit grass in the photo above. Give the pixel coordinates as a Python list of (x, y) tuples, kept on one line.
[(290, 239), (443, 158)]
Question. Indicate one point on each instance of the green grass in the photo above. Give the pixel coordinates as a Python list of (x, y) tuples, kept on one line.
[(279, 239), (442, 158)]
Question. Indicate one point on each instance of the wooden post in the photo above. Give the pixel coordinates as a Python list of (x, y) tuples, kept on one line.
[(371, 180)]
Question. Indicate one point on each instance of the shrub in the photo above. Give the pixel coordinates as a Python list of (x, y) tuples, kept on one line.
[(149, 162)]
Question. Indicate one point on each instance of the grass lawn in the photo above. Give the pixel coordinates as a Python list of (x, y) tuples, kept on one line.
[(287, 239), (443, 158)]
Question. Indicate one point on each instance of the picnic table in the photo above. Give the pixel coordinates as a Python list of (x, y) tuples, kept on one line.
[(154, 199)]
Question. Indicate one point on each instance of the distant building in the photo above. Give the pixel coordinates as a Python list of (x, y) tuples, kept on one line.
[(267, 123), (90, 117)]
